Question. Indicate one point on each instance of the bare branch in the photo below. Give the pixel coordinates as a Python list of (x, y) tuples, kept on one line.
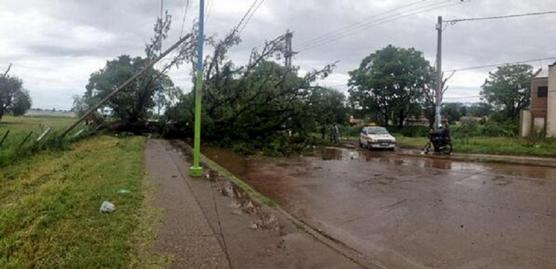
[(7, 70)]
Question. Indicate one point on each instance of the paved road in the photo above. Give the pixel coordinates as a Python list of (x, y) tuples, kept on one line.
[(209, 223), (416, 212)]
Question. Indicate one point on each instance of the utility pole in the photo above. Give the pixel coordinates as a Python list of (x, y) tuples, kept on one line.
[(196, 170), (289, 52), (439, 88)]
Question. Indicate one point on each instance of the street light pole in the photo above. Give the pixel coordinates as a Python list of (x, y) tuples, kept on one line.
[(438, 95), (196, 170)]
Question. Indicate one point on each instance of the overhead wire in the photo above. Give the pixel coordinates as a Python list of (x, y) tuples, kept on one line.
[(502, 17), (499, 64), (240, 23), (185, 9), (360, 22), (250, 16), (381, 21), (355, 30)]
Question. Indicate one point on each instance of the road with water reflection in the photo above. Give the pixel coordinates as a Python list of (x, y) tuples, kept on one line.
[(408, 212)]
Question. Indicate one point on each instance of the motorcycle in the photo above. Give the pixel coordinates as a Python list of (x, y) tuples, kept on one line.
[(439, 142)]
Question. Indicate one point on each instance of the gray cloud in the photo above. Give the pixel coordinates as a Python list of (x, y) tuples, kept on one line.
[(55, 45)]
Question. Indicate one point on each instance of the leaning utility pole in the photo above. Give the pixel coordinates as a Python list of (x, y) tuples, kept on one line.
[(438, 94), (288, 50), (196, 170), (123, 85)]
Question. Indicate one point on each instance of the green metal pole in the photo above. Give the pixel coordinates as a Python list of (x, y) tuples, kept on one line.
[(196, 170)]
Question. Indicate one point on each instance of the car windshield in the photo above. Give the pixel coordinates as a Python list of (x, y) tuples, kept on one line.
[(376, 130)]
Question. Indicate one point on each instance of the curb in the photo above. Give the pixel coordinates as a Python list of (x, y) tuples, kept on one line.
[(521, 160)]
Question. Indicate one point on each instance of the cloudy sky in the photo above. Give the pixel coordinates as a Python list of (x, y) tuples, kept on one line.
[(55, 45)]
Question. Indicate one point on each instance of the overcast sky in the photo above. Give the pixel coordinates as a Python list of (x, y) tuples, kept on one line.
[(55, 45)]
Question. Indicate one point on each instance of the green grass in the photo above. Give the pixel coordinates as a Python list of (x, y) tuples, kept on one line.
[(20, 127), (492, 145), (49, 207)]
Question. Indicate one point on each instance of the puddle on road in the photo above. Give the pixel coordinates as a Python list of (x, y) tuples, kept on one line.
[(243, 166)]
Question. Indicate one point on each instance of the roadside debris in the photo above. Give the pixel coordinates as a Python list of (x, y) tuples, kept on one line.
[(124, 191), (107, 207)]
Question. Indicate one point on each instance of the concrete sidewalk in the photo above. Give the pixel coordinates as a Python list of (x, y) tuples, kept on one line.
[(185, 233)]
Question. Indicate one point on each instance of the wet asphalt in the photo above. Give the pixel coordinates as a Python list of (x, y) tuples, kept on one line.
[(411, 212)]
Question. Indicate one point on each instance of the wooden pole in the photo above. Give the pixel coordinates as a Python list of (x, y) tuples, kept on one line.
[(123, 85), (24, 140), (4, 137)]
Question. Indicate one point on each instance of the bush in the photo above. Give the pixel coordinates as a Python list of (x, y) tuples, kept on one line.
[(349, 131), (488, 129)]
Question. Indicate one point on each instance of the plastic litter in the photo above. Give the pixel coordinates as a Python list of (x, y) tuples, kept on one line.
[(107, 207), (123, 191)]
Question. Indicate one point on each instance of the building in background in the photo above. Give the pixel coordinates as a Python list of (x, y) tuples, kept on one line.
[(540, 119)]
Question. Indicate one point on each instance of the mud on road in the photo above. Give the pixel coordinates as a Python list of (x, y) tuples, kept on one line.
[(409, 212)]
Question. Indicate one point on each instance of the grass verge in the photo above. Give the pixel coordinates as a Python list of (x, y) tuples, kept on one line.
[(492, 145), (20, 142), (49, 207)]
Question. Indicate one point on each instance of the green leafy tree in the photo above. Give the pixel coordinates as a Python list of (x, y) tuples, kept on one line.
[(479, 110), (132, 103), (328, 106), (21, 103), (452, 111), (13, 97), (391, 82), (508, 89), (258, 102)]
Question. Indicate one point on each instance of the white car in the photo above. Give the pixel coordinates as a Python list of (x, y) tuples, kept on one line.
[(376, 137)]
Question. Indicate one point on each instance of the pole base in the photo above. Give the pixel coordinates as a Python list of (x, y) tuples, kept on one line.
[(196, 171)]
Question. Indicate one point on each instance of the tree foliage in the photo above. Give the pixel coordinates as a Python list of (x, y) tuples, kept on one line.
[(133, 104), (21, 103), (258, 101), (391, 82), (452, 112), (479, 110), (508, 89), (13, 97)]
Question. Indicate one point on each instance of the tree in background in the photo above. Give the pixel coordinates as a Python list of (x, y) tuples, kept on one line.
[(508, 89), (328, 106), (479, 110), (453, 111), (13, 97), (22, 103), (391, 82), (132, 105)]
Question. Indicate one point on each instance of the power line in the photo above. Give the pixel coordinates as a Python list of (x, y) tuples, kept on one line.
[(499, 64), (361, 22), (382, 21), (185, 9), (502, 17), (250, 16), (351, 29), (240, 23)]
